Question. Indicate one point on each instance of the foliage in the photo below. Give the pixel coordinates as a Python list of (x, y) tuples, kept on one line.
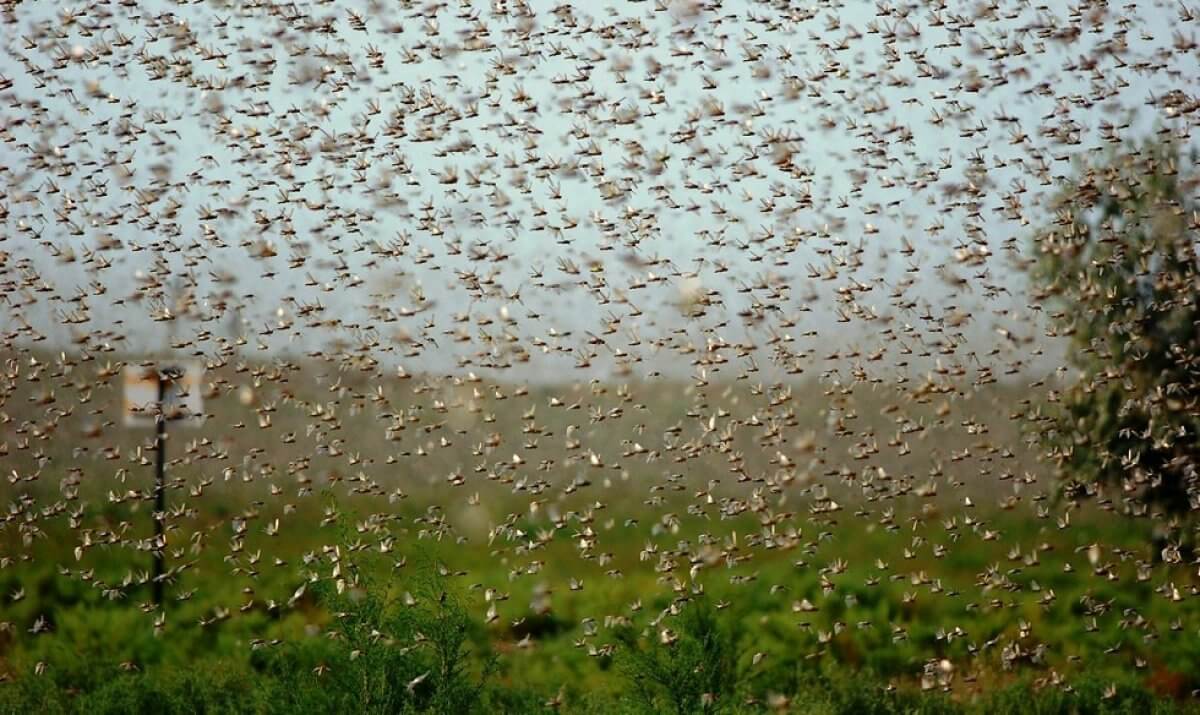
[(689, 662), (401, 645), (285, 660), (1118, 268)]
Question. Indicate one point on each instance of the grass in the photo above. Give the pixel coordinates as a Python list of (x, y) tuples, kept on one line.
[(862, 646), (337, 570)]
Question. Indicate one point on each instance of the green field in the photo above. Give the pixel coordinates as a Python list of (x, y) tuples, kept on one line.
[(332, 569)]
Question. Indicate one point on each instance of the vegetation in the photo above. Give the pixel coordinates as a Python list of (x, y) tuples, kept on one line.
[(319, 591), (1118, 267), (408, 632), (692, 670)]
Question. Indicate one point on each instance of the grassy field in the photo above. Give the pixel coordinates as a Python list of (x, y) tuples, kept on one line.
[(814, 625), (387, 554)]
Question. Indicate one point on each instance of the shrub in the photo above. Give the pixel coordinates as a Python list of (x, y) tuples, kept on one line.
[(694, 669), (1117, 267)]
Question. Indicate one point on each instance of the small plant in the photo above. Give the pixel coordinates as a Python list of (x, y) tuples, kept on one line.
[(687, 665), (402, 644)]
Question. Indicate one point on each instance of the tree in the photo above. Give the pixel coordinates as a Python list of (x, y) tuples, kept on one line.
[(1117, 270)]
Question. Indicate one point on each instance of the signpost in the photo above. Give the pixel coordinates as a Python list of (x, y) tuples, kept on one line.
[(179, 399), (157, 395)]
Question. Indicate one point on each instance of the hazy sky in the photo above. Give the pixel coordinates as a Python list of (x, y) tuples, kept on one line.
[(889, 130)]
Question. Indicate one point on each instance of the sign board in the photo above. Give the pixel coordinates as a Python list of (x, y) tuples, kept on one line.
[(181, 395)]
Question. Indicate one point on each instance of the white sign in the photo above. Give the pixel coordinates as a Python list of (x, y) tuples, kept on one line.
[(182, 400)]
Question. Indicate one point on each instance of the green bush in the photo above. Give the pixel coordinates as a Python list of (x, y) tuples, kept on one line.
[(688, 665), (1117, 270)]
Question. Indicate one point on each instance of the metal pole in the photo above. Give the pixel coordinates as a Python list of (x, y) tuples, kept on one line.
[(160, 490)]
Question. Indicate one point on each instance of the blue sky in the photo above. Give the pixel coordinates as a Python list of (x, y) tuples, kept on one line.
[(638, 145)]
